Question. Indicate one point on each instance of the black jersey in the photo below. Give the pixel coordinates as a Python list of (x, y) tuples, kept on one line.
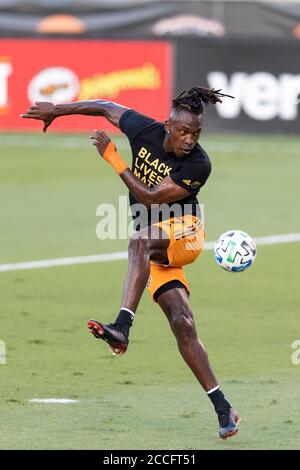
[(151, 163)]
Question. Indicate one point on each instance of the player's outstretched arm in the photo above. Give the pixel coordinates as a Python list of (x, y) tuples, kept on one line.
[(166, 191), (47, 112)]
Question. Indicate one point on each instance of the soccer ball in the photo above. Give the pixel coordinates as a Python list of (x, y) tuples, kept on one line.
[(235, 251)]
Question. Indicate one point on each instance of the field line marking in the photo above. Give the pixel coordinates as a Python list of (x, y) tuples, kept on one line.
[(62, 401), (121, 255), (268, 240), (48, 263)]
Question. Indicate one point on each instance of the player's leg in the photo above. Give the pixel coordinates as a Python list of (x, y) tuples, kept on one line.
[(148, 244), (175, 305), (178, 241)]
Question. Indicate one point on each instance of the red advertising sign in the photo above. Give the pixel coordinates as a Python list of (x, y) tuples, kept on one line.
[(134, 74)]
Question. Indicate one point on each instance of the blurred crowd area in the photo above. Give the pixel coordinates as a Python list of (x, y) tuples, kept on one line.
[(141, 53)]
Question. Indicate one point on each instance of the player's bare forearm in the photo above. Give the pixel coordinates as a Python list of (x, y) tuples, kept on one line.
[(47, 112), (142, 193), (107, 109), (166, 191)]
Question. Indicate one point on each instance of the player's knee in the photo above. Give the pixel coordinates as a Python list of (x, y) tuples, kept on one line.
[(182, 322), (137, 244)]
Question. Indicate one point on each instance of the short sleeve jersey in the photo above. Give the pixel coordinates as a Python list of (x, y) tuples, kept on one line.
[(151, 163)]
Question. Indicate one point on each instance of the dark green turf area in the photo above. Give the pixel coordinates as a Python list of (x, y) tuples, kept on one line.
[(50, 188)]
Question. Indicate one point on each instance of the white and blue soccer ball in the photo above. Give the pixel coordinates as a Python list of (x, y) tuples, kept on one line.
[(235, 251)]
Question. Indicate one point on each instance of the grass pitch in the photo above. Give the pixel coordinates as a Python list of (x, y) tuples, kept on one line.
[(50, 188)]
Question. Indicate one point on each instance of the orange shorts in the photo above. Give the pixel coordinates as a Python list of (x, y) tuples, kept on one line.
[(186, 236)]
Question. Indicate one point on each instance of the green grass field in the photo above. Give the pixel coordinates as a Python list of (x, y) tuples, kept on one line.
[(50, 188)]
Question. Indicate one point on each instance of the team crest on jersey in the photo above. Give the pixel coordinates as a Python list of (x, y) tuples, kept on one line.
[(195, 184), (187, 182)]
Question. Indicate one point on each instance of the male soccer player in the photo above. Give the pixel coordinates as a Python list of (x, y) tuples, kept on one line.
[(169, 168)]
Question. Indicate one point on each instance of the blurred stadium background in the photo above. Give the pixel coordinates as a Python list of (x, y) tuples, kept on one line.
[(140, 54)]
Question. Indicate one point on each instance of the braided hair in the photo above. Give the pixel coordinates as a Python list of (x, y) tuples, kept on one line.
[(197, 98)]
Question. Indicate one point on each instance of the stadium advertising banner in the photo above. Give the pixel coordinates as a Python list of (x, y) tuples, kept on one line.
[(135, 74), (264, 78)]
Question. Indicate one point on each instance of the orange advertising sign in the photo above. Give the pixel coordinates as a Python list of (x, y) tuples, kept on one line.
[(134, 74)]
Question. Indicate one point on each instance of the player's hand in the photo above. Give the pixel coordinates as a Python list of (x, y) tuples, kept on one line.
[(42, 110), (100, 140)]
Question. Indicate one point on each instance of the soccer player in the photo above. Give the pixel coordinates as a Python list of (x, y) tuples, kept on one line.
[(169, 168)]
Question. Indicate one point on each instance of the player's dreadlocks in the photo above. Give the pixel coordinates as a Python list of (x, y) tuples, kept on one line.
[(196, 98)]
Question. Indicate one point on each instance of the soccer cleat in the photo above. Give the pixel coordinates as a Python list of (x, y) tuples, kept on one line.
[(112, 334), (228, 421)]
